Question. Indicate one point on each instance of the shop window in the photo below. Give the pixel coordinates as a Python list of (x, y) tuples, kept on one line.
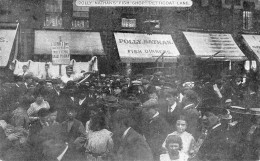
[(128, 23), (247, 20), (80, 17), (53, 13), (128, 17)]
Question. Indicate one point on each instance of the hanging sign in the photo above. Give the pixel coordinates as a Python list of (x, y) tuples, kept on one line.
[(60, 53), (134, 3)]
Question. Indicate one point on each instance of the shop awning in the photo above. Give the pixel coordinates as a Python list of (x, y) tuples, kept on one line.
[(7, 37), (80, 43), (218, 46), (142, 48), (253, 41)]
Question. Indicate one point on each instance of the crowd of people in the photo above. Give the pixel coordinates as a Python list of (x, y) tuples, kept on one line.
[(98, 117)]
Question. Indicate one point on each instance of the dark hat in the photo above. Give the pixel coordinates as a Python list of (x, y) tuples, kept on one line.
[(28, 76), (170, 92), (190, 94), (43, 112), (70, 84), (111, 99)]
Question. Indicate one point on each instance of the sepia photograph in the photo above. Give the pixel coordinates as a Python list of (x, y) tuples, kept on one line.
[(129, 80)]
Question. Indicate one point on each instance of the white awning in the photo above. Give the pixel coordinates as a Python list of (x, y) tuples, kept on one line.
[(80, 43), (253, 41), (6, 43), (216, 45), (141, 48)]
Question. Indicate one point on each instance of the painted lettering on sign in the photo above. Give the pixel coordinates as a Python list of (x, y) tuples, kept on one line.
[(160, 42), (135, 3), (60, 53)]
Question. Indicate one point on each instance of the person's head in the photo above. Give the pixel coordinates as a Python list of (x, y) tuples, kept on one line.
[(209, 120), (47, 66), (52, 117), (43, 114), (171, 96), (120, 122), (228, 103), (25, 68), (149, 112), (71, 88), (12, 66), (49, 85), (173, 144), (69, 70), (97, 123), (28, 78), (181, 124), (39, 98), (71, 113)]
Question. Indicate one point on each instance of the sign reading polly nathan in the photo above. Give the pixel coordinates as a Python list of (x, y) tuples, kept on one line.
[(147, 47), (60, 53), (135, 3)]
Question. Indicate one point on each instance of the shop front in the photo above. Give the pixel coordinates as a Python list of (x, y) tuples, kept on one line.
[(80, 46), (215, 52), (140, 51)]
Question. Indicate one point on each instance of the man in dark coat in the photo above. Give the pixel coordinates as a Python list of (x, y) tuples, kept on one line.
[(215, 146), (131, 145), (156, 132), (169, 107), (74, 128)]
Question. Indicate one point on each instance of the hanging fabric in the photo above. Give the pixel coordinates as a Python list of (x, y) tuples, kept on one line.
[(19, 66)]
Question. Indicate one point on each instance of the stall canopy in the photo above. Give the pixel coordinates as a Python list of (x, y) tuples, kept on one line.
[(142, 48), (253, 41), (218, 46), (7, 37), (80, 43)]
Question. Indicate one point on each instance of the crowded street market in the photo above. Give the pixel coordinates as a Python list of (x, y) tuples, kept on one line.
[(129, 80)]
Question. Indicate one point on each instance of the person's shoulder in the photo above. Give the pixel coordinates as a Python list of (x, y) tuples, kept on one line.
[(165, 157), (173, 133), (183, 156), (188, 135)]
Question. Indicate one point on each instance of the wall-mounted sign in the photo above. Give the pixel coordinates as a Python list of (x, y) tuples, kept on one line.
[(6, 43), (60, 53), (134, 3), (145, 48)]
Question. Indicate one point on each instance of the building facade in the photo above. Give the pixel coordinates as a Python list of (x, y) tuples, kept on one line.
[(235, 17)]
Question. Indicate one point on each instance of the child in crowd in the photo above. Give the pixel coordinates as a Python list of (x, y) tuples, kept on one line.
[(173, 146), (187, 139)]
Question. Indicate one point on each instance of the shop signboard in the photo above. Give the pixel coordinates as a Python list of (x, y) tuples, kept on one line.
[(60, 53), (134, 3), (6, 43), (134, 47)]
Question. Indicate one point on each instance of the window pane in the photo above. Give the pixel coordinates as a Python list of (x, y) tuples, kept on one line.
[(53, 20), (53, 5), (80, 24), (128, 23), (247, 20)]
